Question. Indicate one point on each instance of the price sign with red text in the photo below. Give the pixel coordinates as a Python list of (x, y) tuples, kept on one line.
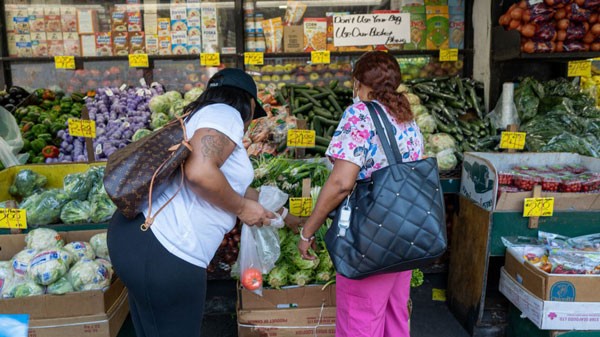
[(301, 206)]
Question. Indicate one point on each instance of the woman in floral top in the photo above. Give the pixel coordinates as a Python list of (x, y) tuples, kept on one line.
[(376, 306)]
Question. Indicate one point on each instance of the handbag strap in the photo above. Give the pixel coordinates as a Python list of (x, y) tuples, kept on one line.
[(388, 141)]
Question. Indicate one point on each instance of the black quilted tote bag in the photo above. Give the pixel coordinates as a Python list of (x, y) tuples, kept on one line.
[(393, 221)]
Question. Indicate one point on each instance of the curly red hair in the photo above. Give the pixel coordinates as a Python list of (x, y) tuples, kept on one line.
[(380, 71)]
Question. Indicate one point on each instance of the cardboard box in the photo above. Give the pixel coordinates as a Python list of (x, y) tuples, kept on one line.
[(10, 23), (287, 312), (120, 43), (164, 27), (315, 34), (293, 39), (136, 42), (134, 21), (194, 45), (23, 45), (152, 44), (83, 303), (550, 315), (87, 21), (68, 18), (479, 180), (37, 22), (118, 19), (88, 45), (457, 28), (103, 44), (210, 32), (418, 28), (164, 45), (55, 42), (52, 19), (438, 27), (39, 47), (102, 325), (20, 19), (150, 23), (71, 44), (11, 41), (552, 287)]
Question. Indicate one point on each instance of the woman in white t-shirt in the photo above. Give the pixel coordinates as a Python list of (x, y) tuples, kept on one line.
[(164, 268)]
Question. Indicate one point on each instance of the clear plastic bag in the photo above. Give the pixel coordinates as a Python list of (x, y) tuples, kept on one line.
[(505, 111), (249, 262), (11, 141), (267, 238)]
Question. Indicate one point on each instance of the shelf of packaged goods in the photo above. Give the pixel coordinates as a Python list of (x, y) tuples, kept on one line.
[(506, 46)]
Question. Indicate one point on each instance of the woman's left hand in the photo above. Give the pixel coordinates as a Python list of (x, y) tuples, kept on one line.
[(303, 247)]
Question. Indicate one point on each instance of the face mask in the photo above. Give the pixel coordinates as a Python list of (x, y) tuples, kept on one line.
[(355, 98)]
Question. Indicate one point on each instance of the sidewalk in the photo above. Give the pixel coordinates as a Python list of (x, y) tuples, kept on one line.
[(430, 318)]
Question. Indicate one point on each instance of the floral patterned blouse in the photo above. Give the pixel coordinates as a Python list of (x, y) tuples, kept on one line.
[(355, 140)]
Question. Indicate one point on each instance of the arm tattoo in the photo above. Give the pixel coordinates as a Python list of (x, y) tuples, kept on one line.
[(213, 144)]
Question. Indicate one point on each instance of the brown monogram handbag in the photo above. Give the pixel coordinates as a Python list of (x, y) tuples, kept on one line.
[(139, 170)]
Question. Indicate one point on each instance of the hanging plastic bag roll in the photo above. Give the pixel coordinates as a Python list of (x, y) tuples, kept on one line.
[(505, 111)]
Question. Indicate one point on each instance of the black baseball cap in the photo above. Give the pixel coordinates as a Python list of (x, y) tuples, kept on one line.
[(237, 78)]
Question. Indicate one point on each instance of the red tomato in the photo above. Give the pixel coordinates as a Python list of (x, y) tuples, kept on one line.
[(252, 279)]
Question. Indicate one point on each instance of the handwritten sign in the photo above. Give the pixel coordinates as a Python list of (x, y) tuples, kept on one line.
[(301, 138), (64, 62), (579, 68), (82, 128), (13, 218), (371, 29), (538, 207), (254, 58), (300, 206), (210, 59), (512, 140), (320, 57), (438, 295), (139, 61), (448, 55)]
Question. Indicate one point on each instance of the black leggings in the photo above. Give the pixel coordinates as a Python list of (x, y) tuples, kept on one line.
[(166, 293)]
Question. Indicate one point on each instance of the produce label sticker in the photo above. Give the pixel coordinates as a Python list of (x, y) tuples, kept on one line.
[(301, 206), (210, 59), (254, 58), (538, 207), (13, 218), (512, 140), (82, 128), (579, 68), (64, 62), (301, 138), (138, 61), (320, 57), (448, 55), (438, 294)]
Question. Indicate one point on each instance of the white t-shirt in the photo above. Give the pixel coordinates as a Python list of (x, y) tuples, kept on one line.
[(189, 227)]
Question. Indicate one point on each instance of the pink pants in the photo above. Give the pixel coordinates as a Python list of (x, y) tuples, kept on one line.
[(373, 307)]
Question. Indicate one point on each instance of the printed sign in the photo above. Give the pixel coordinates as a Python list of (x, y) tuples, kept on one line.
[(579, 68), (301, 206), (138, 61), (320, 57), (82, 128), (210, 59), (371, 29), (254, 58), (512, 140), (13, 218), (64, 62), (448, 55), (538, 207), (301, 138)]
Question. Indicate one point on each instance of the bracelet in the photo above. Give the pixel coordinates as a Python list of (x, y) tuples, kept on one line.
[(284, 213), (305, 239)]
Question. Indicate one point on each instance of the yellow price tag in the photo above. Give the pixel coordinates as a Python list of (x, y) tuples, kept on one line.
[(438, 294), (139, 61), (301, 138), (210, 59), (512, 140), (13, 218), (82, 128), (538, 207), (579, 68), (64, 62), (301, 206), (320, 57), (448, 55), (254, 58)]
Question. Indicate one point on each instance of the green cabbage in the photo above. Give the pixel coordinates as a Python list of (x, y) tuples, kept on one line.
[(96, 174), (45, 208), (76, 211), (60, 287), (139, 134), (102, 208), (77, 185), (6, 275), (24, 288), (47, 266), (193, 94), (20, 262), (426, 123), (99, 245), (417, 278), (89, 275), (323, 276), (43, 238), (27, 183), (68, 257), (107, 265), (278, 277), (302, 277), (325, 260), (441, 141), (176, 109), (290, 250), (413, 99), (173, 96), (418, 110), (446, 160), (158, 120), (80, 249), (159, 104)]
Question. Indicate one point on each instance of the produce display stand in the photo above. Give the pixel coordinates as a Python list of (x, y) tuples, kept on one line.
[(477, 233), (518, 326)]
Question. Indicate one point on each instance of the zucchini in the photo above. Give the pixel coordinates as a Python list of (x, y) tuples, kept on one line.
[(317, 125), (330, 131), (299, 86), (324, 141), (333, 84), (323, 113), (310, 98), (302, 109), (335, 104), (326, 122)]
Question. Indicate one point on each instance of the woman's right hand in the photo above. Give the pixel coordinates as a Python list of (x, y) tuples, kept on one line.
[(254, 214)]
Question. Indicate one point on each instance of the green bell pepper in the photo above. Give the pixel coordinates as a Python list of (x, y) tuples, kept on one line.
[(37, 145)]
